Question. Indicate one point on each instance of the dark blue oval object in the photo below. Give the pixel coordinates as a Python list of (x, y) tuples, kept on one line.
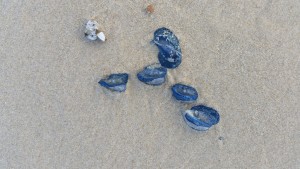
[(115, 82), (153, 74), (184, 93), (201, 117), (213, 114), (169, 54)]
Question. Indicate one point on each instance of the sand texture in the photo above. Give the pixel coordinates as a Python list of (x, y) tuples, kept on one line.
[(242, 56)]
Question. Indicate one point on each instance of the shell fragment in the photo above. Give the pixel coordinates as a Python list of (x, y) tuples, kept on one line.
[(101, 36)]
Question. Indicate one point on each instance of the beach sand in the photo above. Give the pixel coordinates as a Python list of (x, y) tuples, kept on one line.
[(241, 56)]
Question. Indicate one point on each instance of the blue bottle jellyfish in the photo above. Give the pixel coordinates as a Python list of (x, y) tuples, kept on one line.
[(184, 93), (115, 82), (153, 74), (201, 117), (169, 54)]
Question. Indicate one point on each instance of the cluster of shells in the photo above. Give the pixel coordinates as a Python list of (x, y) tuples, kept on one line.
[(199, 117)]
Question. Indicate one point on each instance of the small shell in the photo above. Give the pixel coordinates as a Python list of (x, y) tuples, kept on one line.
[(153, 74), (101, 36), (115, 82), (184, 93), (169, 54), (201, 117)]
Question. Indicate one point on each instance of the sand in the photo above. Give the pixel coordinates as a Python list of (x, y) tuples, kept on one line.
[(242, 57)]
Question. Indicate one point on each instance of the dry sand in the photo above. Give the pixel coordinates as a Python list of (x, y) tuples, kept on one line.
[(242, 56)]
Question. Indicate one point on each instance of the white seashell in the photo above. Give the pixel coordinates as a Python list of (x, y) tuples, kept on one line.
[(92, 25), (91, 35), (101, 36)]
